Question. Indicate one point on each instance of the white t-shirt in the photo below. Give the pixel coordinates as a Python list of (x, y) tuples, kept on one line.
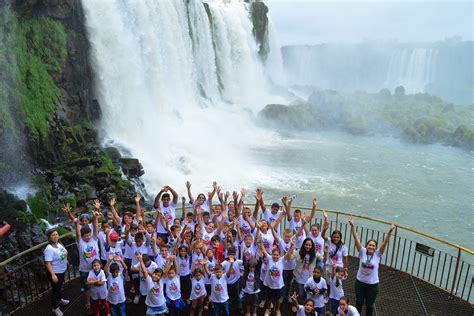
[(274, 277), (336, 292), (98, 292), (198, 288), (368, 271), (57, 255), (88, 252), (318, 243), (245, 228), (317, 299), (116, 292), (218, 289), (117, 252), (267, 240), (295, 226), (196, 257), (235, 274), (169, 214), (155, 296), (336, 257), (204, 206), (150, 268), (249, 252), (173, 288), (351, 311), (269, 217), (306, 272), (206, 237), (287, 264), (160, 262), (183, 265), (210, 265), (143, 249), (191, 225), (250, 284)]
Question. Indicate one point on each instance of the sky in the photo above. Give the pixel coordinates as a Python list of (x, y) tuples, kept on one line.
[(333, 21)]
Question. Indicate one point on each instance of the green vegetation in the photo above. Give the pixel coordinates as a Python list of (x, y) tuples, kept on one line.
[(418, 118), (40, 51)]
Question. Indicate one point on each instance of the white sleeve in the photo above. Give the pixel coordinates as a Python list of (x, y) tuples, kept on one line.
[(48, 254), (344, 251)]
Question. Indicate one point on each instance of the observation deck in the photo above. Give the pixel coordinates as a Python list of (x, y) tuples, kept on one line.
[(419, 274)]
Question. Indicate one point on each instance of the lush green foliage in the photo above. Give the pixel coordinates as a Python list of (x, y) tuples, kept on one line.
[(40, 50), (418, 118)]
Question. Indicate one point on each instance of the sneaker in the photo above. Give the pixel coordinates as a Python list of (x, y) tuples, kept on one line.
[(262, 304), (63, 302), (57, 312), (267, 312), (136, 299)]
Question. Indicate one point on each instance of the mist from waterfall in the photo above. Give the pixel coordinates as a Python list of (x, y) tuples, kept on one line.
[(178, 87)]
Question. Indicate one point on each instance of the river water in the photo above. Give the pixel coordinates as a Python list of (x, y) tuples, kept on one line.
[(427, 187)]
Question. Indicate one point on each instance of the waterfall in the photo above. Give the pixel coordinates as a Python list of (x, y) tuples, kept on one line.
[(178, 82), (412, 68)]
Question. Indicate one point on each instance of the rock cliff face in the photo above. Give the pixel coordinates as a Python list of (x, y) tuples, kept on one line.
[(49, 108)]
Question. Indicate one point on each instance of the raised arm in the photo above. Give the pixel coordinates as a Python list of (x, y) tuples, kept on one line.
[(325, 226), (289, 253), (67, 210), (138, 213), (190, 195), (386, 239), (354, 234), (258, 197), (274, 233), (95, 220), (250, 222), (278, 220), (156, 204), (313, 210), (174, 194), (183, 208), (107, 264), (287, 206), (116, 217), (142, 266), (263, 250), (262, 203)]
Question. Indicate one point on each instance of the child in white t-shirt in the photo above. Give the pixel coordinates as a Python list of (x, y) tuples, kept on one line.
[(115, 284), (273, 279), (155, 299), (315, 288), (303, 310), (219, 295), (336, 290), (198, 290), (97, 281), (173, 286), (345, 309), (251, 286)]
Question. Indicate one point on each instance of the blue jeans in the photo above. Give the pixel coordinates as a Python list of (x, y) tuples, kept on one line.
[(334, 305), (221, 309), (119, 309)]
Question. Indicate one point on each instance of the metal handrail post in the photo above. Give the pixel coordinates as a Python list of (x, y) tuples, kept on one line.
[(456, 271), (394, 245)]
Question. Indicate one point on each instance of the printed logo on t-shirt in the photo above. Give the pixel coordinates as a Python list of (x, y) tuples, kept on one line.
[(173, 287), (114, 287), (367, 264), (89, 252), (317, 247), (206, 239), (210, 267), (62, 254), (197, 288), (274, 272), (155, 290), (218, 288)]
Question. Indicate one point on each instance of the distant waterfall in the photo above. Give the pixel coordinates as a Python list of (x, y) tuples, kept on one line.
[(174, 80), (412, 68)]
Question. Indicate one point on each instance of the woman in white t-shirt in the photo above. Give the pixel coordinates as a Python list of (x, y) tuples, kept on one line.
[(55, 259), (367, 280)]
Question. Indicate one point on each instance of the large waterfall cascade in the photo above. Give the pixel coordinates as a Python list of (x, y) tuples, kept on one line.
[(178, 82)]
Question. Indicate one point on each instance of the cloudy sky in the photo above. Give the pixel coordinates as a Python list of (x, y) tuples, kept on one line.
[(318, 21)]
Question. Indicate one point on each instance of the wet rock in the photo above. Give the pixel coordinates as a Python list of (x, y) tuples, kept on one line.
[(113, 153), (131, 167)]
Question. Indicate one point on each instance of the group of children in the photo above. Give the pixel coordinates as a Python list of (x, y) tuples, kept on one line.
[(216, 257)]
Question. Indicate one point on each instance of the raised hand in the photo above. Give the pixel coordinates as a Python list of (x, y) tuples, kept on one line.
[(112, 201), (137, 198), (350, 221), (111, 256), (294, 297), (183, 199), (188, 185), (97, 204), (214, 185), (209, 196), (392, 227), (227, 194), (67, 208), (325, 215), (235, 195), (315, 202)]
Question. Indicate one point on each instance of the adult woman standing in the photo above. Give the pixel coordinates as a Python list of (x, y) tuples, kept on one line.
[(367, 280), (55, 259)]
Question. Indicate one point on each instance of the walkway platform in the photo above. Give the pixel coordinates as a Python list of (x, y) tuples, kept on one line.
[(400, 294)]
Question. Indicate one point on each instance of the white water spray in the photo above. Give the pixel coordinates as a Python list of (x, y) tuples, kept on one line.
[(177, 88)]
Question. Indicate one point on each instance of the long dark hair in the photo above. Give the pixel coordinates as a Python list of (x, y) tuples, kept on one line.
[(339, 244), (303, 252)]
